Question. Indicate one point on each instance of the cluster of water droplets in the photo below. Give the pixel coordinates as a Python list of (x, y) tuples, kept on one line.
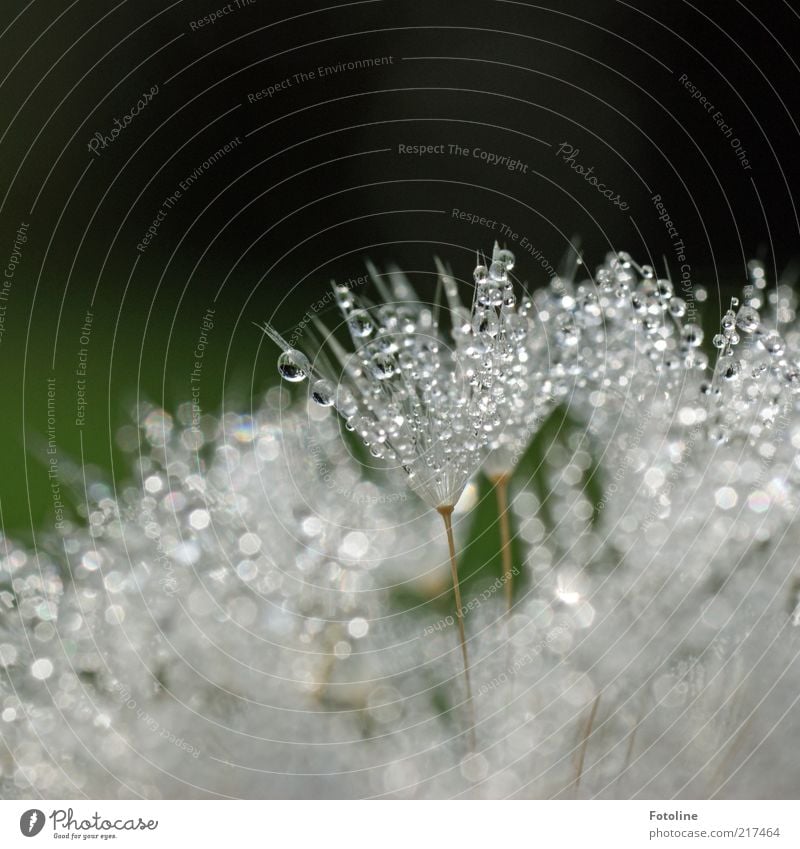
[(756, 378), (190, 619), (417, 400), (614, 338), (236, 620)]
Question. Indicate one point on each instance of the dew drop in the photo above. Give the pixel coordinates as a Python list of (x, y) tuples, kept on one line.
[(748, 319), (693, 335), (293, 366), (323, 392), (497, 272), (344, 298), (677, 307), (383, 367), (507, 258), (773, 343), (360, 324)]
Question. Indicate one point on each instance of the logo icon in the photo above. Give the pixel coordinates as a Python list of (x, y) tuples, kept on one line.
[(31, 822)]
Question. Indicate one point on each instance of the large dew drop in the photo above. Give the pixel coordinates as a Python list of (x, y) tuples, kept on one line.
[(293, 366)]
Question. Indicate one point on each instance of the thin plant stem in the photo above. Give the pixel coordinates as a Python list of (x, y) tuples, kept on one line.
[(501, 491), (585, 743), (447, 515)]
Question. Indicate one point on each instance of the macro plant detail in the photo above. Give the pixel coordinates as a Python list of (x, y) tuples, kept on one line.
[(246, 597)]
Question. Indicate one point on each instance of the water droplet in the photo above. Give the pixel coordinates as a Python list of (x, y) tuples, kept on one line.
[(497, 272), (748, 319), (773, 343), (507, 258), (360, 324), (346, 403), (323, 393), (677, 307), (293, 366), (344, 298), (693, 335), (732, 371), (383, 367)]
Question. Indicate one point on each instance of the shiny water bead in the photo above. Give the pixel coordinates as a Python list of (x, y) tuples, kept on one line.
[(343, 297), (517, 327), (591, 309), (567, 333), (498, 272), (360, 324), (773, 343), (692, 335), (323, 393), (383, 366), (480, 275), (665, 290), (696, 359), (345, 402), (506, 258), (732, 370), (293, 366), (489, 296), (748, 319), (677, 307), (486, 322), (756, 273)]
